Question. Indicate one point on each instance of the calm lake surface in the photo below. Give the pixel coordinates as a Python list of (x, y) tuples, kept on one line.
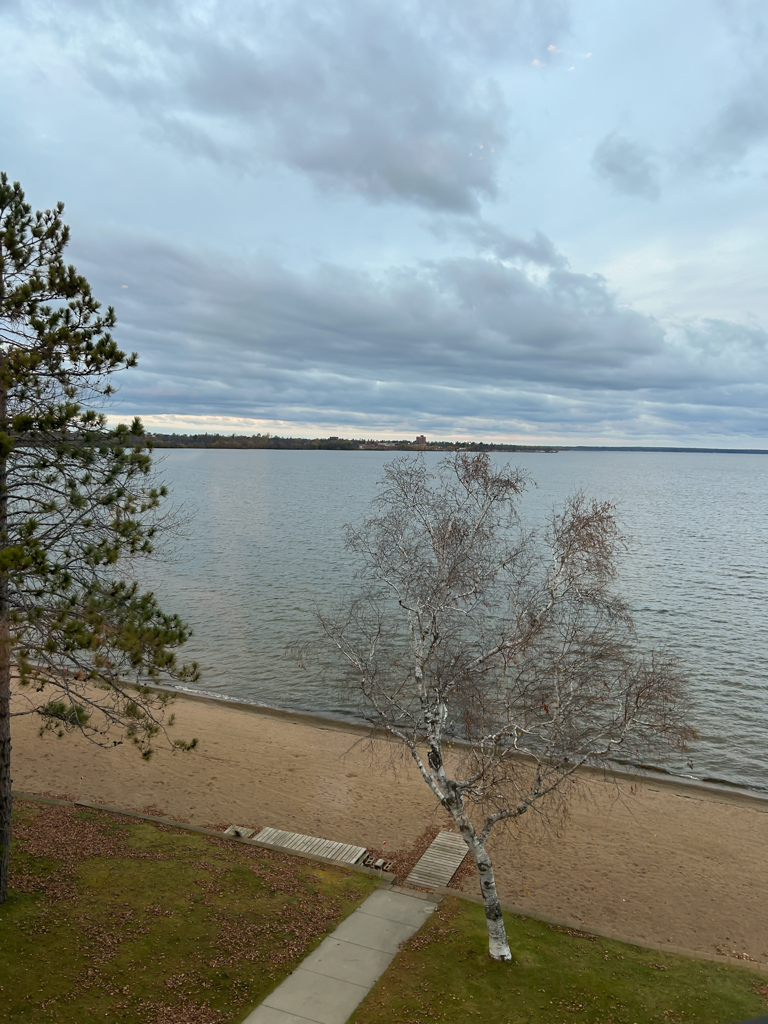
[(264, 548)]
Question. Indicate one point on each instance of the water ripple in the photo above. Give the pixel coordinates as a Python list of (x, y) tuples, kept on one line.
[(265, 549)]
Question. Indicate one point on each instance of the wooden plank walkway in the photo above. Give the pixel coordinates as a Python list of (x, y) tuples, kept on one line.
[(439, 863), (311, 844)]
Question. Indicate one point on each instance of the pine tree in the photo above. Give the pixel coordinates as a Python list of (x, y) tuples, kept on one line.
[(76, 497)]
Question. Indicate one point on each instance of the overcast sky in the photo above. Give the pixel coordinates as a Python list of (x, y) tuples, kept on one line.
[(533, 220)]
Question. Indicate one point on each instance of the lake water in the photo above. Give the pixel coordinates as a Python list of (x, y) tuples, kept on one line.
[(264, 549)]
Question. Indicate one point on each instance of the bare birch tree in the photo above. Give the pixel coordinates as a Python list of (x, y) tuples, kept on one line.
[(469, 628)]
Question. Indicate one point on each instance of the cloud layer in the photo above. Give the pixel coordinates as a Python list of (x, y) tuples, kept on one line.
[(390, 99), (480, 339), (507, 218)]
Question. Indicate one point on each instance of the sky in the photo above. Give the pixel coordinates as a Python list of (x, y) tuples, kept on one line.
[(512, 220)]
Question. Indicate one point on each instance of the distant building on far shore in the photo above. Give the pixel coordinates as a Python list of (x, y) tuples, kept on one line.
[(421, 439)]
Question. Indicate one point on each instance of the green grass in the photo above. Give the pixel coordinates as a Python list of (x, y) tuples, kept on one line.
[(444, 974), (111, 918)]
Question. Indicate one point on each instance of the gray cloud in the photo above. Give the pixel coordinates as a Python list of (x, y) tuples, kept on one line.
[(492, 239), (627, 166), (740, 121), (738, 126), (391, 99), (468, 340)]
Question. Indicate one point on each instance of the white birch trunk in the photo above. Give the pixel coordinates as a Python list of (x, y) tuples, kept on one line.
[(498, 947)]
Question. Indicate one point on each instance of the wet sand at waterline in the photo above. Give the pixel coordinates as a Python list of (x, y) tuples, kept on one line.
[(661, 862)]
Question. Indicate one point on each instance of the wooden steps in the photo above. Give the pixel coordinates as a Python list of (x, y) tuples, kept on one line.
[(240, 831), (311, 844), (439, 863)]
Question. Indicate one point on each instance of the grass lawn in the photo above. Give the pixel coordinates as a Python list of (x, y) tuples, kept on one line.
[(113, 918), (444, 974)]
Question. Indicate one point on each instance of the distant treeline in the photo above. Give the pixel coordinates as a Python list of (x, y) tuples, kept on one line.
[(244, 441), (335, 443), (357, 444)]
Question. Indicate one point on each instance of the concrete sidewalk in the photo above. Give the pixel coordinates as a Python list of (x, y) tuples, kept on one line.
[(329, 984)]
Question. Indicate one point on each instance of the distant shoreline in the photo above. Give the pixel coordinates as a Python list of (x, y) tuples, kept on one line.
[(242, 442)]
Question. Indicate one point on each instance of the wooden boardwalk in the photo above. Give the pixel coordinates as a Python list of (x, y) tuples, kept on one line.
[(440, 862), (311, 844)]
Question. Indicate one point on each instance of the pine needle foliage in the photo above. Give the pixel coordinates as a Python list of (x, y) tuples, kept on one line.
[(78, 503)]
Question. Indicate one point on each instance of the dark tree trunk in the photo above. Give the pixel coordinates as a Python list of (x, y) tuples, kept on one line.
[(6, 795)]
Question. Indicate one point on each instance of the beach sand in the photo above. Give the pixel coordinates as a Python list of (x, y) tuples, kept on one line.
[(661, 862)]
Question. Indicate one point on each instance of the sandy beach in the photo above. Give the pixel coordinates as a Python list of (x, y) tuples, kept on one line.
[(661, 862)]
